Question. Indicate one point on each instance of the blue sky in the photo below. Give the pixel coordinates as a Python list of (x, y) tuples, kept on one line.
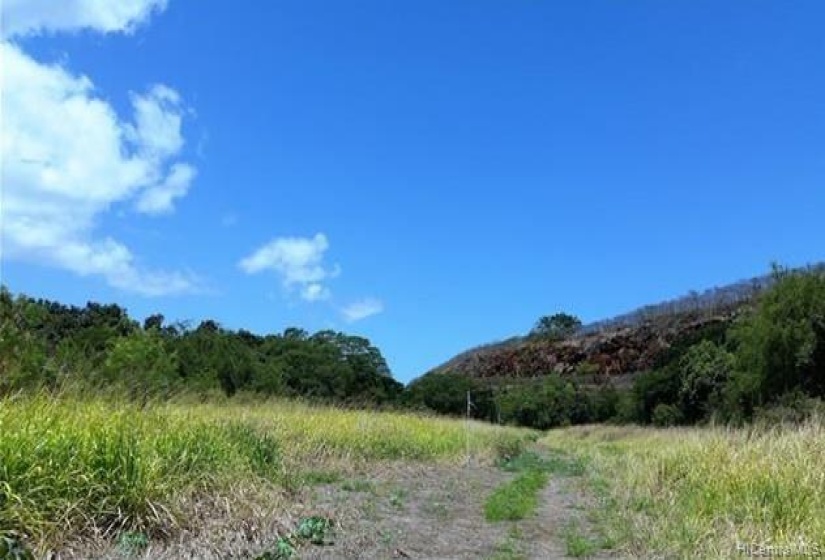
[(432, 175)]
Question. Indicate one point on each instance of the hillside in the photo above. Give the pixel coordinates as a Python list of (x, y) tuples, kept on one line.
[(615, 348), (614, 353)]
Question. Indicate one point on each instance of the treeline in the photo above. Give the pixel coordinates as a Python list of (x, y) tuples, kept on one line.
[(48, 345), (769, 362)]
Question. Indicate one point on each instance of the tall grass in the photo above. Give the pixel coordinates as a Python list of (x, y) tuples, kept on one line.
[(712, 492), (69, 464)]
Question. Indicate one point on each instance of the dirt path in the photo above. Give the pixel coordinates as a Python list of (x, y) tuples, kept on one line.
[(430, 512), (411, 511), (560, 522)]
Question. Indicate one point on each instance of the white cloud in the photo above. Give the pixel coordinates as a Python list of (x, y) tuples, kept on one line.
[(298, 261), (362, 309), (159, 199), (158, 118), (68, 157), (315, 292), (30, 17)]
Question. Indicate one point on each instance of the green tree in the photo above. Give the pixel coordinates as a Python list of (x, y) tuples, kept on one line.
[(547, 404), (153, 322), (445, 393), (652, 388), (558, 326), (47, 344), (22, 354), (141, 363), (780, 346), (705, 370)]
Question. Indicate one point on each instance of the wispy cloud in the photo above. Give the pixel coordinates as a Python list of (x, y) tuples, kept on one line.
[(34, 17), (362, 309)]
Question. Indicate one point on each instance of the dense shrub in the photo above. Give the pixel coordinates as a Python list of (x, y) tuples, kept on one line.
[(141, 364), (665, 415), (445, 393), (653, 388), (704, 371), (556, 401)]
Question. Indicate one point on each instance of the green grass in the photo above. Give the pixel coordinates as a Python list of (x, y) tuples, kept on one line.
[(68, 465), (579, 545), (397, 498), (703, 492), (516, 499), (555, 462), (358, 486), (317, 477)]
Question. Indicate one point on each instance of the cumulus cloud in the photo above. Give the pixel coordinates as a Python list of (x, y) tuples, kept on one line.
[(298, 261), (29, 17), (362, 309), (68, 157)]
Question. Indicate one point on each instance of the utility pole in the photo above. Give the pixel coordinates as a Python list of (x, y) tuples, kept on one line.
[(467, 425)]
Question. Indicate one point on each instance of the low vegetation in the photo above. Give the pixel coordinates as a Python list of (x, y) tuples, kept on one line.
[(516, 499), (705, 492)]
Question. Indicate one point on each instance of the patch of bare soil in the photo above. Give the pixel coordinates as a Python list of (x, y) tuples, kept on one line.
[(412, 511)]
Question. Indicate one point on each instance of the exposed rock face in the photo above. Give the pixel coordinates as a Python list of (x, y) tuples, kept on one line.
[(601, 355)]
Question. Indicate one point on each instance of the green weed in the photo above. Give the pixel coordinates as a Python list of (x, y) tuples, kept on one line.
[(358, 486), (578, 544), (516, 499)]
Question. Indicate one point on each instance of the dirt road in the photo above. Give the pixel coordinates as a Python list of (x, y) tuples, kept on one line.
[(415, 511)]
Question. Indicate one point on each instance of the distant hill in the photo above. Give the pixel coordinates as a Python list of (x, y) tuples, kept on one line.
[(614, 349)]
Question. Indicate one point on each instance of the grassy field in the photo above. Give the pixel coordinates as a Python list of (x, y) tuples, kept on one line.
[(71, 466), (705, 492)]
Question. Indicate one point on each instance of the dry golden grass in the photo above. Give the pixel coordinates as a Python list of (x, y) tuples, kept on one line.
[(706, 492)]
